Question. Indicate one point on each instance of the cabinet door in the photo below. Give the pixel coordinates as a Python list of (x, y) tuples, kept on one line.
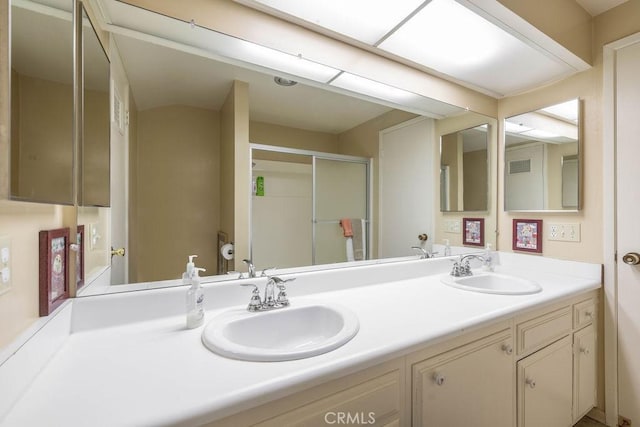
[(545, 384), (584, 368), (469, 386)]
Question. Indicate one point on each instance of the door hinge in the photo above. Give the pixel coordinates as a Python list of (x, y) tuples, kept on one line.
[(615, 256)]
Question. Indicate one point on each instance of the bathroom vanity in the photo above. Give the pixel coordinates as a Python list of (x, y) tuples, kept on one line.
[(425, 354)]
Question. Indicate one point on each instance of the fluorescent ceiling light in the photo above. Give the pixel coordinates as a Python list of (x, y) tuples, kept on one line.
[(280, 61), (512, 127), (567, 110), (393, 96), (539, 134), (445, 35), (364, 20)]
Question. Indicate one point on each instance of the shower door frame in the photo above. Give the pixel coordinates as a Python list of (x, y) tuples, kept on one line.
[(314, 221)]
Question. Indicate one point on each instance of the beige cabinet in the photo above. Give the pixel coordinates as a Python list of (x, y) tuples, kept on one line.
[(469, 386), (545, 386), (584, 370)]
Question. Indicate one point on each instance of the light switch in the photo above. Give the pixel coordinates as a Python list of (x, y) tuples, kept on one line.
[(5, 264)]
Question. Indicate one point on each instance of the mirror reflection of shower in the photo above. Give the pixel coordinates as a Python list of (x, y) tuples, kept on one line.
[(301, 204)]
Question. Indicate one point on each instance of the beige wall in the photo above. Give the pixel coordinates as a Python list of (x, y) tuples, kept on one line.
[(235, 172), (283, 136), (565, 21), (451, 147), (21, 222), (178, 200)]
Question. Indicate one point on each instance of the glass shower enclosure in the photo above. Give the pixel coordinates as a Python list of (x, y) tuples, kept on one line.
[(308, 207)]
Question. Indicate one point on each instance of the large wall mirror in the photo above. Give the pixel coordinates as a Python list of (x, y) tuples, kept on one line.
[(175, 92), (42, 101), (543, 159), (464, 170)]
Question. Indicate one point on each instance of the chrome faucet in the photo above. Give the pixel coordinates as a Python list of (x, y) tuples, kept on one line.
[(270, 301), (424, 254), (461, 268), (251, 267)]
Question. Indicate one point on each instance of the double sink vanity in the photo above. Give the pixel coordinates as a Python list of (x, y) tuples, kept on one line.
[(395, 344)]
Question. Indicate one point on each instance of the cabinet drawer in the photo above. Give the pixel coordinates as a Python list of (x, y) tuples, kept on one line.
[(584, 313), (375, 402), (540, 331)]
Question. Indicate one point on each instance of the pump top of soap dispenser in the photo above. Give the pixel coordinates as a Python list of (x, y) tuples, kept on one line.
[(191, 266)]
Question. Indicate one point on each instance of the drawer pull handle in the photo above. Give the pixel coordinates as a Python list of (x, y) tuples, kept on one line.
[(438, 378), (530, 382), (507, 349), (588, 315), (584, 351)]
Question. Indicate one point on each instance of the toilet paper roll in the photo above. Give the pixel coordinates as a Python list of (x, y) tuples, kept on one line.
[(227, 251)]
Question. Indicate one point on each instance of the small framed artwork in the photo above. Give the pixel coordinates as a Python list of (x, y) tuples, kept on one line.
[(473, 231), (80, 257), (527, 235), (54, 267)]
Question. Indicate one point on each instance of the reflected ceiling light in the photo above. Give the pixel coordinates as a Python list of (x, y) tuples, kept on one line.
[(390, 95), (566, 110), (445, 35), (511, 127), (281, 81), (539, 134), (364, 20), (280, 61)]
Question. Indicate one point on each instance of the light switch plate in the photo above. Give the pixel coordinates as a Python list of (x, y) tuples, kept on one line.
[(5, 264), (565, 232), (452, 226)]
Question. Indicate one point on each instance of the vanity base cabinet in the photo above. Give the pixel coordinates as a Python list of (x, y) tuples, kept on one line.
[(469, 386), (584, 371), (545, 385)]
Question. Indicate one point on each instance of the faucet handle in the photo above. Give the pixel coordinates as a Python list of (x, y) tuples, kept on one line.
[(255, 303), (282, 294), (264, 271)]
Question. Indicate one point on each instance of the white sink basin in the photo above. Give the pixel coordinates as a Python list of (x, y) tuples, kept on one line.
[(289, 333), (493, 283)]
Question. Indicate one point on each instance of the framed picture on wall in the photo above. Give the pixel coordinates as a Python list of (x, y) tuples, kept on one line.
[(473, 231), (527, 235), (54, 268)]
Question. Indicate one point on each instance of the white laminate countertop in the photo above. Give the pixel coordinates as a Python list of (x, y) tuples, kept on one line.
[(154, 372)]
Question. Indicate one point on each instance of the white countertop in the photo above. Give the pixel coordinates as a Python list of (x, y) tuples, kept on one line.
[(156, 372)]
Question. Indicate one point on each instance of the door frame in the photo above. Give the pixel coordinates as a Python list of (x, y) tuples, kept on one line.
[(609, 199)]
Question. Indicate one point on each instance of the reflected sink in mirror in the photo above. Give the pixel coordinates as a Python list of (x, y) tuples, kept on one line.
[(493, 283), (284, 334)]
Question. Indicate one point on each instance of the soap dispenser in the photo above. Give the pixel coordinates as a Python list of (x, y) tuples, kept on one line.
[(447, 248), (188, 272), (195, 300), (487, 265)]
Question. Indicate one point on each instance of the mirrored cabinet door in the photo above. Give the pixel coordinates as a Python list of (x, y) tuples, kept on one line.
[(42, 101), (542, 159)]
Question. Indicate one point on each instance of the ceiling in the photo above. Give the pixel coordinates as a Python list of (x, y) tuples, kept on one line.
[(596, 7), (480, 44)]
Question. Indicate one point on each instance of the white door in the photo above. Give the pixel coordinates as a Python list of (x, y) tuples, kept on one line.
[(627, 127), (119, 170), (406, 195)]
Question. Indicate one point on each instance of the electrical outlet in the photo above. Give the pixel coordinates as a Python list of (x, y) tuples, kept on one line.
[(452, 226), (5, 264), (568, 232)]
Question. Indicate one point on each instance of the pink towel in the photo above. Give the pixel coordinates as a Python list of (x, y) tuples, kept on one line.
[(346, 227)]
